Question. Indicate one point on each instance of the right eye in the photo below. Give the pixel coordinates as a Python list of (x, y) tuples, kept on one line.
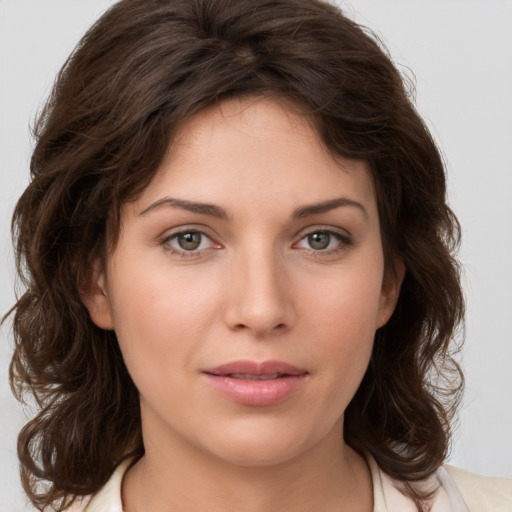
[(324, 241), (188, 242)]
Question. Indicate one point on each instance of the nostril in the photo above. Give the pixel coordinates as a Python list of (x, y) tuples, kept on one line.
[(241, 327)]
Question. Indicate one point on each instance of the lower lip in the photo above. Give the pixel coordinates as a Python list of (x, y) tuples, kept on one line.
[(257, 392)]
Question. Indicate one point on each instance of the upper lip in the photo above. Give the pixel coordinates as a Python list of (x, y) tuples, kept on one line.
[(255, 368)]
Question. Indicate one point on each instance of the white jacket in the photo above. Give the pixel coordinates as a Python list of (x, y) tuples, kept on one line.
[(457, 491)]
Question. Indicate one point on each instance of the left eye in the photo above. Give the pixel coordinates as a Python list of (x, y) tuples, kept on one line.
[(320, 240), (189, 241)]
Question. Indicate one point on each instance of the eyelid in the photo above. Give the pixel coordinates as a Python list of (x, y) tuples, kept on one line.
[(167, 236), (344, 237), (341, 232), (185, 228)]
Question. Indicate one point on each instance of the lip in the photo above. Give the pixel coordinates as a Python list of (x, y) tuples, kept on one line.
[(256, 383)]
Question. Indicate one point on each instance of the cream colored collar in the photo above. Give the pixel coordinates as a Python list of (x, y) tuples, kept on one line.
[(386, 495)]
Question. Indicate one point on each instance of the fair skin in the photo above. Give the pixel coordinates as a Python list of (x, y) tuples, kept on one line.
[(251, 243)]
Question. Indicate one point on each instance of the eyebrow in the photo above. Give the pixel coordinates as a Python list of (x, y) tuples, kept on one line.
[(218, 212), (325, 206), (191, 206)]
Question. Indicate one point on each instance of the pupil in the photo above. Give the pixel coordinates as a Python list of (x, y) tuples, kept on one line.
[(319, 240), (189, 241)]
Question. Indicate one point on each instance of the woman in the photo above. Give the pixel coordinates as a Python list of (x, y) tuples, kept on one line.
[(241, 289)]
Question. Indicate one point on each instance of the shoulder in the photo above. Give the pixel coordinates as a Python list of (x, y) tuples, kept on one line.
[(79, 505), (482, 493), (108, 498), (454, 490)]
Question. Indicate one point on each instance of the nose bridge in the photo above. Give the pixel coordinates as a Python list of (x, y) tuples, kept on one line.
[(259, 300)]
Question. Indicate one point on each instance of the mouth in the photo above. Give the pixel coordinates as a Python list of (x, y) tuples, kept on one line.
[(249, 376), (256, 384), (258, 371)]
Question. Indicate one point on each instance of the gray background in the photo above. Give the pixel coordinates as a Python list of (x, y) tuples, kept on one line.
[(461, 54)]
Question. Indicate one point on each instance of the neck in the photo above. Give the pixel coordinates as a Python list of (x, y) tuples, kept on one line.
[(175, 477)]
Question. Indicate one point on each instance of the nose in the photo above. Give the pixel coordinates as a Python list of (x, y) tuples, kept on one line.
[(260, 298)]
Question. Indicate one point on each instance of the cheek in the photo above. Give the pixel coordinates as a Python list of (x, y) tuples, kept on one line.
[(159, 319), (342, 317), (345, 331), (347, 301)]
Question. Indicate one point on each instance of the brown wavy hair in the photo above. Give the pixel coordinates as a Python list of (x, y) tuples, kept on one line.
[(140, 71)]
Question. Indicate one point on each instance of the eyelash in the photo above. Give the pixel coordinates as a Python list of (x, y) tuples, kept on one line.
[(183, 253), (344, 242)]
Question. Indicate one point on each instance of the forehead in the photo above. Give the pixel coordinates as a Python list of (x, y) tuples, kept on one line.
[(256, 146), (257, 116)]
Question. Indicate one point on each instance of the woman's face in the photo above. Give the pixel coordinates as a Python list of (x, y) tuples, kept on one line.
[(246, 287)]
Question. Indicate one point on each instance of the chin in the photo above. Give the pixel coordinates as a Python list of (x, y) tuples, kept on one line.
[(259, 444), (257, 454)]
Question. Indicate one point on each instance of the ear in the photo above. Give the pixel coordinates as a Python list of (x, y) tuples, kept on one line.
[(390, 292), (95, 298)]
